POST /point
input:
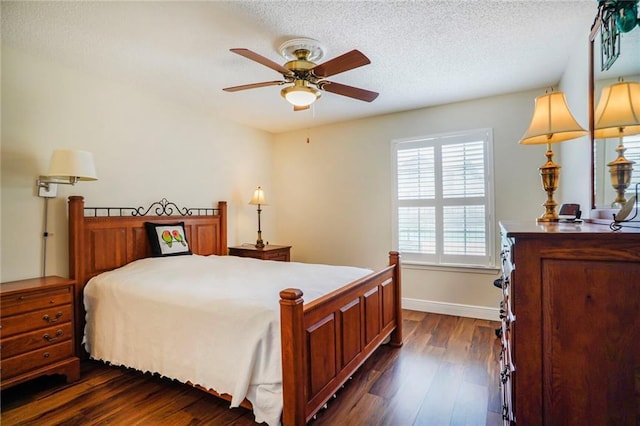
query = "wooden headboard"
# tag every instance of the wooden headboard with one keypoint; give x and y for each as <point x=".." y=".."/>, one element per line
<point x="105" y="238"/>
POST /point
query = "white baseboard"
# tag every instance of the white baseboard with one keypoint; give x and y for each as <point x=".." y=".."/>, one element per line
<point x="469" y="311"/>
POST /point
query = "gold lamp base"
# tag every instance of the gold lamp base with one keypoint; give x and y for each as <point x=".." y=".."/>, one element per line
<point x="620" y="170"/>
<point x="550" y="174"/>
<point x="259" y="242"/>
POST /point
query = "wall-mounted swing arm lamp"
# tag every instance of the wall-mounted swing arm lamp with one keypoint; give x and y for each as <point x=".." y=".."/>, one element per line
<point x="552" y="122"/>
<point x="67" y="167"/>
<point x="258" y="199"/>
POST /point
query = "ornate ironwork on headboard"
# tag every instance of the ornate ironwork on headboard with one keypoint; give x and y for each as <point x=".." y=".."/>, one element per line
<point x="162" y="208"/>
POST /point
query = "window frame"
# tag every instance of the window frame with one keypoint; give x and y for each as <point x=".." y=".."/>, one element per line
<point x="485" y="135"/>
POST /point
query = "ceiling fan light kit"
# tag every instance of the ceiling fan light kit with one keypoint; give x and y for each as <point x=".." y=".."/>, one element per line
<point x="303" y="73"/>
<point x="300" y="94"/>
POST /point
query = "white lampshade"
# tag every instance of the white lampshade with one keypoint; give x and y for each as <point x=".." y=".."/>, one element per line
<point x="618" y="111"/>
<point x="552" y="121"/>
<point x="258" y="197"/>
<point x="300" y="94"/>
<point x="77" y="165"/>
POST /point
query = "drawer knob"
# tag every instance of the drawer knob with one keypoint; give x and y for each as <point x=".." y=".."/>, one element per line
<point x="52" y="339"/>
<point x="47" y="318"/>
<point x="46" y="355"/>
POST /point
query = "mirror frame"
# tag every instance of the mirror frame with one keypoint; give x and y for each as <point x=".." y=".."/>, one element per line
<point x="595" y="30"/>
<point x="591" y="112"/>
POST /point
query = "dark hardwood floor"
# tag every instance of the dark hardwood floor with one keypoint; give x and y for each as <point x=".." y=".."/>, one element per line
<point x="445" y="374"/>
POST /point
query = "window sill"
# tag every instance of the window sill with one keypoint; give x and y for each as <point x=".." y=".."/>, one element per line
<point x="489" y="270"/>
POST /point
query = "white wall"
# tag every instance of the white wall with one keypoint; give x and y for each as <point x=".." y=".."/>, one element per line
<point x="334" y="193"/>
<point x="145" y="147"/>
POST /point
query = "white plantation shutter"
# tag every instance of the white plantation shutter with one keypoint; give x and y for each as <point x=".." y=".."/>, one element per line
<point x="443" y="206"/>
<point x="416" y="173"/>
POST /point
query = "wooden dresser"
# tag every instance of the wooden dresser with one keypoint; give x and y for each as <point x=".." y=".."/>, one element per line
<point x="269" y="252"/>
<point x="37" y="325"/>
<point x="571" y="324"/>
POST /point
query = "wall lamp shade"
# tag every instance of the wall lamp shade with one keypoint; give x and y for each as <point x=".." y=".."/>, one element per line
<point x="618" y="115"/>
<point x="552" y="122"/>
<point x="258" y="199"/>
<point x="300" y="94"/>
<point x="67" y="167"/>
<point x="72" y="165"/>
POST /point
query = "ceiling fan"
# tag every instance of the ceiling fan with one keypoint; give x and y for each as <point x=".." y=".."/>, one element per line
<point x="304" y="74"/>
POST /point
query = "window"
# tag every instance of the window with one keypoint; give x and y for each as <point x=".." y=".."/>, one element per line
<point x="443" y="198"/>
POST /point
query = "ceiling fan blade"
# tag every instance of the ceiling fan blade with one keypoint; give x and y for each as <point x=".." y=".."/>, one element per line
<point x="342" y="63"/>
<point x="300" y="108"/>
<point x="262" y="60"/>
<point x="350" y="91"/>
<point x="253" y="86"/>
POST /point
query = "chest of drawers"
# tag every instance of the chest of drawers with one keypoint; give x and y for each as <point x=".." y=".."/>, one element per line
<point x="570" y="324"/>
<point x="37" y="330"/>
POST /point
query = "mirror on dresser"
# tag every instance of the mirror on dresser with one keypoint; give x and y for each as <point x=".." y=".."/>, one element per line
<point x="627" y="67"/>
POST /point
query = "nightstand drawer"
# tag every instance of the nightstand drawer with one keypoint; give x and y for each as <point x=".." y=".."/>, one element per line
<point x="35" y="320"/>
<point x="16" y="365"/>
<point x="26" y="342"/>
<point x="268" y="252"/>
<point x="281" y="255"/>
<point x="25" y="302"/>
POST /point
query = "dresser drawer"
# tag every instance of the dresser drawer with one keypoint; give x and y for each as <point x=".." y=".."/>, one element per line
<point x="25" y="302"/>
<point x="26" y="362"/>
<point x="36" y="339"/>
<point x="36" y="320"/>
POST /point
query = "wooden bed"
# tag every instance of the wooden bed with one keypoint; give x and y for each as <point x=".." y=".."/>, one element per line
<point x="323" y="342"/>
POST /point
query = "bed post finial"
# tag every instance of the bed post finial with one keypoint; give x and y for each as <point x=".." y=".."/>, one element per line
<point x="293" y="374"/>
<point x="396" y="335"/>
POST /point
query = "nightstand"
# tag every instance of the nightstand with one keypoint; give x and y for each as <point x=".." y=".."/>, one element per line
<point x="269" y="252"/>
<point x="37" y="322"/>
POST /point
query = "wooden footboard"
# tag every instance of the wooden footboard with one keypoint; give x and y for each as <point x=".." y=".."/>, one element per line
<point x="325" y="341"/>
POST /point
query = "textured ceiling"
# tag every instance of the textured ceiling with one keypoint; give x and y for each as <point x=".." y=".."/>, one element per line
<point x="422" y="53"/>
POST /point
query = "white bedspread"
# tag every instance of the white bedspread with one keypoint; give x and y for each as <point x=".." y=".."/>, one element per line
<point x="209" y="320"/>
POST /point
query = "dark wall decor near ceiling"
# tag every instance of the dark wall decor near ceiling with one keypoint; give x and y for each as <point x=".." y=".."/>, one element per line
<point x="615" y="17"/>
